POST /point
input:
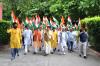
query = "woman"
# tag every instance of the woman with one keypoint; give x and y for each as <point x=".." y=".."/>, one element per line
<point x="15" y="40"/>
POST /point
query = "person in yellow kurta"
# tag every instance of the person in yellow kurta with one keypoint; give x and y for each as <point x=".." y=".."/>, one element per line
<point x="54" y="41"/>
<point x="15" y="40"/>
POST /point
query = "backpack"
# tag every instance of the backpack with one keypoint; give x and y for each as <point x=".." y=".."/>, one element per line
<point x="83" y="37"/>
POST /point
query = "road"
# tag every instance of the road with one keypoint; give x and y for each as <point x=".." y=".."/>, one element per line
<point x="70" y="59"/>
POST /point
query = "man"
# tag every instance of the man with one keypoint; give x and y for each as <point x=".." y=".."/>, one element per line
<point x="83" y="42"/>
<point x="63" y="41"/>
<point x="28" y="38"/>
<point x="37" y="40"/>
<point x="75" y="34"/>
<point x="47" y="43"/>
<point x="59" y="39"/>
<point x="15" y="40"/>
<point x="42" y="39"/>
<point x="70" y="40"/>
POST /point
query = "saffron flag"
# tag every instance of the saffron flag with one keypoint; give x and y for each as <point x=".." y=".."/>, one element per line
<point x="62" y="21"/>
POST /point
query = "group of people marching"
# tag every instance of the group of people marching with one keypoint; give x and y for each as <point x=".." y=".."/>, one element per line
<point x="47" y="40"/>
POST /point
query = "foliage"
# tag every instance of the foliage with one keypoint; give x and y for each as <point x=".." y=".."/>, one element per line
<point x="93" y="25"/>
<point x="57" y="8"/>
<point x="4" y="36"/>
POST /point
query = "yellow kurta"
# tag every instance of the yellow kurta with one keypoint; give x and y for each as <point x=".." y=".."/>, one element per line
<point x="54" y="41"/>
<point x="15" y="38"/>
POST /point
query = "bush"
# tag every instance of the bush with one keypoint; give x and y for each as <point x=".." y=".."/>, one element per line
<point x="4" y="36"/>
<point x="93" y="26"/>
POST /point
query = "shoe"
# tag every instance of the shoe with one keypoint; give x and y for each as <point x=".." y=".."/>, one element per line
<point x="12" y="58"/>
<point x="58" y="50"/>
<point x="39" y="49"/>
<point x="54" y="49"/>
<point x="71" y="50"/>
<point x="85" y="57"/>
<point x="24" y="53"/>
<point x="34" y="52"/>
<point x="28" y="50"/>
<point x="45" y="54"/>
<point x="17" y="54"/>
<point x="52" y="53"/>
<point x="80" y="55"/>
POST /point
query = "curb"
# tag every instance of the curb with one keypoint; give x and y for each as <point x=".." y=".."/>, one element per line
<point x="95" y="52"/>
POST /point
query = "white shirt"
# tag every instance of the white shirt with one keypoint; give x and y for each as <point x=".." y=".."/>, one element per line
<point x="27" y="34"/>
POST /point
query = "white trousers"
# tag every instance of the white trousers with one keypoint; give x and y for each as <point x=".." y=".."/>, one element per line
<point x="26" y="48"/>
<point x="83" y="48"/>
<point x="47" y="48"/>
<point x="75" y="44"/>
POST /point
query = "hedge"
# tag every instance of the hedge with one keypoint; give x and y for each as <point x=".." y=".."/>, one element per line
<point x="4" y="36"/>
<point x="93" y="26"/>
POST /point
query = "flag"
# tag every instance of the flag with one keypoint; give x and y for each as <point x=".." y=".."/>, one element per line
<point x="30" y="24"/>
<point x="46" y="21"/>
<point x="33" y="22"/>
<point x="79" y="24"/>
<point x="13" y="17"/>
<point x="62" y="21"/>
<point x="55" y="20"/>
<point x="18" y="22"/>
<point x="76" y="27"/>
<point x="26" y="21"/>
<point x="37" y="21"/>
<point x="69" y="22"/>
<point x="53" y="24"/>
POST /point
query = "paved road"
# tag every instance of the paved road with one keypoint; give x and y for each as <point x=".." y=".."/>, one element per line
<point x="70" y="59"/>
